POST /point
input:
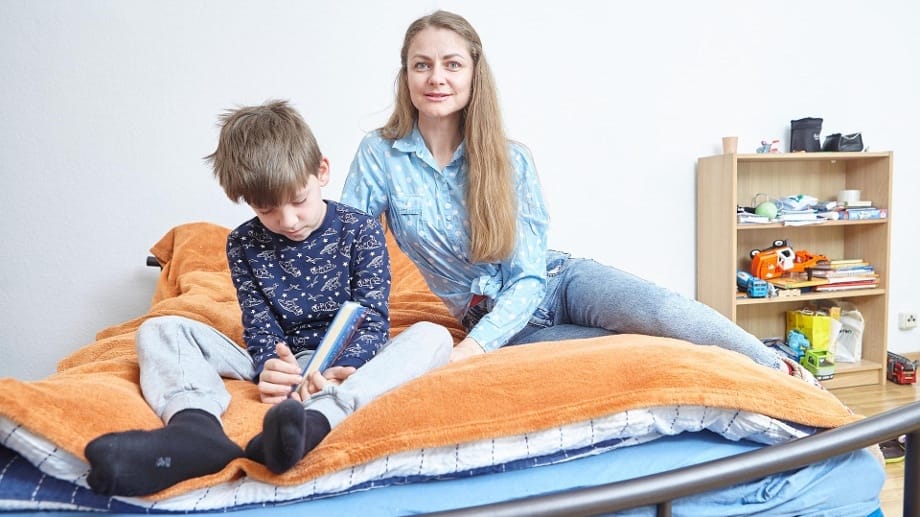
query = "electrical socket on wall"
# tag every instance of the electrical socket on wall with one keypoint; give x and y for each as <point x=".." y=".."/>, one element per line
<point x="907" y="320"/>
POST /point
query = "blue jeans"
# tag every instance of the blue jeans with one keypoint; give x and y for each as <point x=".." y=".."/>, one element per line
<point x="587" y="299"/>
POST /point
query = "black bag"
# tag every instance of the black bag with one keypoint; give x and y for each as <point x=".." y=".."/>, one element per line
<point x="805" y="135"/>
<point x="851" y="143"/>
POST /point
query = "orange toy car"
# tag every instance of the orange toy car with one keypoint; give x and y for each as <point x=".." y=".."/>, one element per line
<point x="780" y="258"/>
<point x="773" y="261"/>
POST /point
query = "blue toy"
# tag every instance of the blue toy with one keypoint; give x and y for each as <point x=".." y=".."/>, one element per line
<point x="797" y="344"/>
<point x="755" y="287"/>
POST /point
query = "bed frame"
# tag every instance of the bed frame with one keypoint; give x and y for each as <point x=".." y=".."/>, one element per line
<point x="661" y="489"/>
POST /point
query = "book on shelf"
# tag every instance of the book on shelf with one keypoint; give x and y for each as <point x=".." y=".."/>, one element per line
<point x="864" y="213"/>
<point x="847" y="286"/>
<point x="861" y="203"/>
<point x="341" y="330"/>
<point x="796" y="282"/>
<point x="797" y="215"/>
<point x="872" y="277"/>
<point x="837" y="264"/>
<point x="855" y="272"/>
<point x="749" y="218"/>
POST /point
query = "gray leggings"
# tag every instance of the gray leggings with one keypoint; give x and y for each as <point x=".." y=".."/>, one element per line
<point x="183" y="363"/>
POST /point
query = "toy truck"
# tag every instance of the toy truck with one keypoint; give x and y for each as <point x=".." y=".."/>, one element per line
<point x="755" y="287"/>
<point x="901" y="370"/>
<point x="820" y="363"/>
<point x="780" y="258"/>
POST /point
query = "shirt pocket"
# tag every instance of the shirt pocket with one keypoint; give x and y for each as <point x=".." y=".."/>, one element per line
<point x="407" y="212"/>
<point x="408" y="206"/>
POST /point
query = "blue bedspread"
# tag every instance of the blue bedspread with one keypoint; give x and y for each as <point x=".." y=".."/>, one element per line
<point x="853" y="481"/>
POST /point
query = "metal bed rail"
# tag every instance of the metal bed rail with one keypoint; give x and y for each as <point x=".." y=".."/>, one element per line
<point x="661" y="489"/>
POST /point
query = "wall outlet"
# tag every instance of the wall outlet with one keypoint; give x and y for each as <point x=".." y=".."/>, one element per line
<point x="907" y="320"/>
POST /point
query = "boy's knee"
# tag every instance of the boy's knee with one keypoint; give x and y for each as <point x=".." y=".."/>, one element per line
<point x="160" y="323"/>
<point x="433" y="331"/>
<point x="154" y="329"/>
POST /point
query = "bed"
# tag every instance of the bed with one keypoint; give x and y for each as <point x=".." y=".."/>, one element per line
<point x="648" y="425"/>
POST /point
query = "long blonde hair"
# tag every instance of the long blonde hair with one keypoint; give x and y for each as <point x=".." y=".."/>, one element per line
<point x="490" y="198"/>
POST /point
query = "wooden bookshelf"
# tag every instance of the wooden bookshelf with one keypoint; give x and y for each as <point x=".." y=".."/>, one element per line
<point x="723" y="245"/>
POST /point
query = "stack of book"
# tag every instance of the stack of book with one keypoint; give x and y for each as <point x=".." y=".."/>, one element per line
<point x="808" y="214"/>
<point x="844" y="274"/>
<point x="867" y="212"/>
<point x="862" y="209"/>
<point x="749" y="218"/>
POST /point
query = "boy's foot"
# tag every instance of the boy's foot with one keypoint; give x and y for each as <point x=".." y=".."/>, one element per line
<point x="893" y="450"/>
<point x="134" y="463"/>
<point x="289" y="432"/>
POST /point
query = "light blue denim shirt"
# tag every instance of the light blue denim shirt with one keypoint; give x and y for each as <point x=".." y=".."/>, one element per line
<point x="425" y="208"/>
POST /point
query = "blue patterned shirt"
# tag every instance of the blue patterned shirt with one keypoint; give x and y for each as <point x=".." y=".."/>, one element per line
<point x="289" y="291"/>
<point x="425" y="208"/>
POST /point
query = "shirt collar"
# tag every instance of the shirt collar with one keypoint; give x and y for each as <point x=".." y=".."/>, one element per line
<point x="414" y="143"/>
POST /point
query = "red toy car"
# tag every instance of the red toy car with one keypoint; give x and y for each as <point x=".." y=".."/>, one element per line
<point x="901" y="370"/>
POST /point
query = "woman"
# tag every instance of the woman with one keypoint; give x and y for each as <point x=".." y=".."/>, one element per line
<point x="464" y="203"/>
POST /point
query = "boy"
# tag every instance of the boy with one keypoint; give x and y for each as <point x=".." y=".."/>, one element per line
<point x="293" y="265"/>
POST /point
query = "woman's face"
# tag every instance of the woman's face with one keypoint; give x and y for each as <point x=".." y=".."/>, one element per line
<point x="439" y="72"/>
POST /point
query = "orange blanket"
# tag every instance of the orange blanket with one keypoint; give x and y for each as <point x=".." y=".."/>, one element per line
<point x="512" y="391"/>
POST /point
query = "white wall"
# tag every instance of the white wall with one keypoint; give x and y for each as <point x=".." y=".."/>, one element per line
<point x="109" y="106"/>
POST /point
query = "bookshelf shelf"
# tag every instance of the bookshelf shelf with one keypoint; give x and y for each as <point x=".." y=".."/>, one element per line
<point x="723" y="245"/>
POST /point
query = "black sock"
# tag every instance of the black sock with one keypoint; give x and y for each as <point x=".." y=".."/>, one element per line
<point x="134" y="463"/>
<point x="289" y="432"/>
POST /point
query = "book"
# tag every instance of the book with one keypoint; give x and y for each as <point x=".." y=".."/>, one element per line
<point x="797" y="215"/>
<point x="785" y="282"/>
<point x="748" y="218"/>
<point x="850" y="279"/>
<point x="338" y="335"/>
<point x="856" y="272"/>
<point x="864" y="213"/>
<point x="839" y="264"/>
<point x="846" y="286"/>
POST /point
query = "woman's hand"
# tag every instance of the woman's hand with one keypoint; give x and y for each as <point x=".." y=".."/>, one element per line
<point x="278" y="377"/>
<point x="316" y="381"/>
<point x="465" y="349"/>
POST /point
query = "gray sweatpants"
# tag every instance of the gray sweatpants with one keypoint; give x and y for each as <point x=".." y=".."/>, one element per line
<point x="183" y="363"/>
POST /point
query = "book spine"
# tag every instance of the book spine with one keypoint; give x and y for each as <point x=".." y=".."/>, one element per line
<point x="338" y="335"/>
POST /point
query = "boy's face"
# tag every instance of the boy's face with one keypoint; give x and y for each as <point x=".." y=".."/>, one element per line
<point x="299" y="217"/>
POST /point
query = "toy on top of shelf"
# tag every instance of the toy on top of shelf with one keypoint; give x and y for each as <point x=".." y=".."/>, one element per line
<point x="768" y="147"/>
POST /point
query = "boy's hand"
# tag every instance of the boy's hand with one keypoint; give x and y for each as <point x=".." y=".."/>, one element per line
<point x="465" y="349"/>
<point x="278" y="375"/>
<point x="334" y="375"/>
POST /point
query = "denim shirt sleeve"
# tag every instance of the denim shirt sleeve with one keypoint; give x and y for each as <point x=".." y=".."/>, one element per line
<point x="523" y="275"/>
<point x="365" y="185"/>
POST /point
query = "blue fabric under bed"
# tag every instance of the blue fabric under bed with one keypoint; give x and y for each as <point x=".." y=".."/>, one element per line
<point x="844" y="486"/>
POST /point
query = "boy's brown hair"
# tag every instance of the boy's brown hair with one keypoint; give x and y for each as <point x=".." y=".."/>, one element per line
<point x="265" y="154"/>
